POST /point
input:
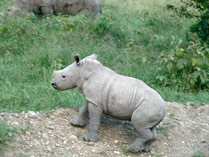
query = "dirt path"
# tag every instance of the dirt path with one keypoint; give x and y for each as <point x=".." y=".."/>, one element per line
<point x="183" y="132"/>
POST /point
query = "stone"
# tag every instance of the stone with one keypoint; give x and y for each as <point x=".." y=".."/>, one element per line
<point x="32" y="114"/>
<point x="117" y="152"/>
<point x="27" y="132"/>
<point x="15" y="123"/>
<point x="178" y="118"/>
<point x="73" y="137"/>
<point x="116" y="141"/>
<point x="91" y="143"/>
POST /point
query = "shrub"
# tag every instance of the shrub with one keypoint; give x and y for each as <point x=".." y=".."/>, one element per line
<point x="198" y="9"/>
<point x="202" y="27"/>
<point x="185" y="67"/>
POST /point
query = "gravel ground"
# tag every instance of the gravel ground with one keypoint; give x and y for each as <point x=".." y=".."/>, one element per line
<point x="183" y="132"/>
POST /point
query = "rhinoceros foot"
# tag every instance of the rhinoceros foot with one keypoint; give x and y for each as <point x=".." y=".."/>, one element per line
<point x="147" y="148"/>
<point x="77" y="121"/>
<point x="136" y="148"/>
<point x="91" y="136"/>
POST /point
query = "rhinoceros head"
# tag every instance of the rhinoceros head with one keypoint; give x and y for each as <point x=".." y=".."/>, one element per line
<point x="20" y="8"/>
<point x="13" y="11"/>
<point x="68" y="77"/>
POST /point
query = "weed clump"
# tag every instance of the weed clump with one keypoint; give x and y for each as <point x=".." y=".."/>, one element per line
<point x="5" y="134"/>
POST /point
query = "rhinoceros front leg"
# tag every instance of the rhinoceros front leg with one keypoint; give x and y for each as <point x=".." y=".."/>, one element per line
<point x="81" y="118"/>
<point x="94" y="123"/>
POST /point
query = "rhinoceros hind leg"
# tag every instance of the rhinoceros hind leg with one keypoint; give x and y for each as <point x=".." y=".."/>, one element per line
<point x="94" y="123"/>
<point x="143" y="124"/>
<point x="139" y="144"/>
<point x="81" y="118"/>
<point x="148" y="144"/>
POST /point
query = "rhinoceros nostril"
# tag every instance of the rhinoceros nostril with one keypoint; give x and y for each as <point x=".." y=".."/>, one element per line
<point x="54" y="85"/>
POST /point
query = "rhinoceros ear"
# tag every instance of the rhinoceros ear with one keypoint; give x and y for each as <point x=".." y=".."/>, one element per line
<point x="77" y="58"/>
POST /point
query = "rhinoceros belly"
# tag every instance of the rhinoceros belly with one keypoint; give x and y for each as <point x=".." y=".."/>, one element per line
<point x="124" y="96"/>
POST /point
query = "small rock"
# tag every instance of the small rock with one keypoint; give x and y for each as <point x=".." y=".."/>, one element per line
<point x="9" y="134"/>
<point x="57" y="145"/>
<point x="49" y="149"/>
<point x="73" y="137"/>
<point x="93" y="150"/>
<point x="26" y="116"/>
<point x="47" y="142"/>
<point x="116" y="141"/>
<point x="178" y="118"/>
<point x="32" y="114"/>
<point x="52" y="117"/>
<point x="15" y="123"/>
<point x="90" y="143"/>
<point x="45" y="135"/>
<point x="64" y="142"/>
<point x="117" y="152"/>
<point x="52" y="135"/>
<point x="15" y="115"/>
<point x="31" y="122"/>
<point x="27" y="132"/>
<point x="50" y="127"/>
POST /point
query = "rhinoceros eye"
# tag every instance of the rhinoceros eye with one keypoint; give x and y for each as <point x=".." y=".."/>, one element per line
<point x="63" y="75"/>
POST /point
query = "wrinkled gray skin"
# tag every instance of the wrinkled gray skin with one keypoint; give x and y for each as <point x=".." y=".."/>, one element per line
<point x="120" y="96"/>
<point x="50" y="7"/>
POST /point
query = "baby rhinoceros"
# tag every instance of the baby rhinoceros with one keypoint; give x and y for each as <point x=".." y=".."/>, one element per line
<point x="119" y="96"/>
<point x="50" y="7"/>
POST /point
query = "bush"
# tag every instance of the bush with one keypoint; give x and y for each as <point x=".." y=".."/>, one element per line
<point x="198" y="9"/>
<point x="202" y="27"/>
<point x="185" y="67"/>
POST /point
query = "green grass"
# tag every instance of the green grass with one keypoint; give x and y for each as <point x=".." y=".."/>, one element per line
<point x="129" y="36"/>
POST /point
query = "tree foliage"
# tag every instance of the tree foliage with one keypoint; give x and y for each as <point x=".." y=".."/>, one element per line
<point x="201" y="13"/>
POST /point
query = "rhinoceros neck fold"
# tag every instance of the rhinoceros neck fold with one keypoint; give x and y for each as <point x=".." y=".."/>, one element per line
<point x="82" y="79"/>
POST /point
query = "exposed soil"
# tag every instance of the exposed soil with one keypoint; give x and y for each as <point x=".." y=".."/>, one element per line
<point x="183" y="132"/>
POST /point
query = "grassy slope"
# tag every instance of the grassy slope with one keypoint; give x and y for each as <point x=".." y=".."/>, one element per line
<point x="129" y="36"/>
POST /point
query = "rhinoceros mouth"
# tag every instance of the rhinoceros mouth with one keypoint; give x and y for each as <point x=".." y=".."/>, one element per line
<point x="54" y="86"/>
